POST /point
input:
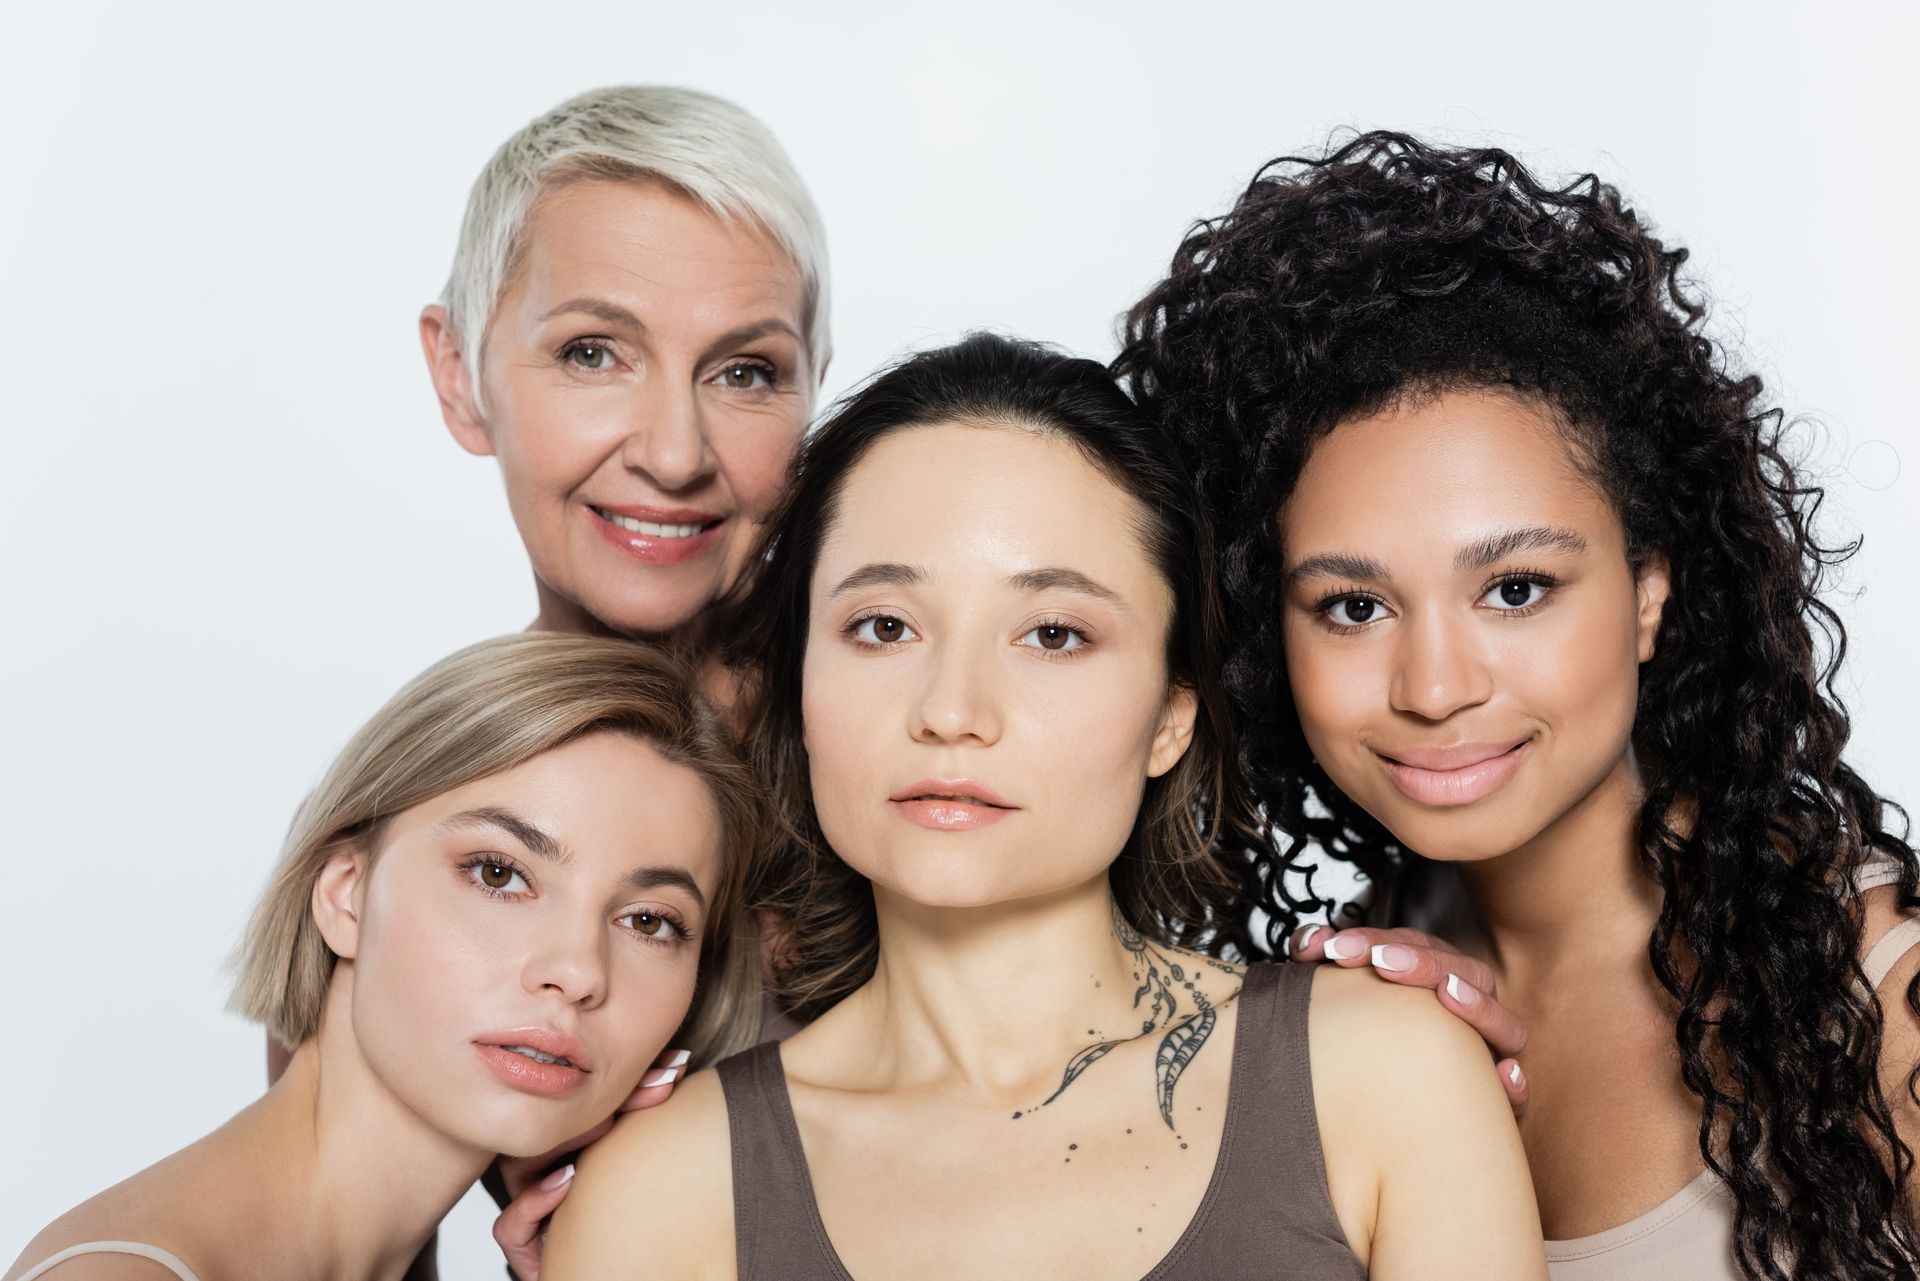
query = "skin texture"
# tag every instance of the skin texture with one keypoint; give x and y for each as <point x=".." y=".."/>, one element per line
<point x="645" y="354"/>
<point x="1549" y="859"/>
<point x="1002" y="968"/>
<point x="385" y="1117"/>
<point x="1548" y="856"/>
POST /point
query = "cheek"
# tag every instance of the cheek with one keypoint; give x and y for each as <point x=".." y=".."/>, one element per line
<point x="754" y="461"/>
<point x="1334" y="690"/>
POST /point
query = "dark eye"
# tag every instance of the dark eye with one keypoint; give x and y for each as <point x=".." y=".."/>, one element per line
<point x="1354" y="611"/>
<point x="1515" y="593"/>
<point x="882" y="629"/>
<point x="590" y="355"/>
<point x="648" y="924"/>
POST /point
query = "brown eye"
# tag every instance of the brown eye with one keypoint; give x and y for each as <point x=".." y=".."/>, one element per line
<point x="495" y="876"/>
<point x="743" y="377"/>
<point x="1055" y="637"/>
<point x="882" y="629"/>
<point x="649" y="924"/>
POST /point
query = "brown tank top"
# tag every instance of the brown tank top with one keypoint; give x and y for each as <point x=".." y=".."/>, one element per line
<point x="1266" y="1212"/>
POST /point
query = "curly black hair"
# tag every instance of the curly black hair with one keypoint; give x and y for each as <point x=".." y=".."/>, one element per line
<point x="1338" y="283"/>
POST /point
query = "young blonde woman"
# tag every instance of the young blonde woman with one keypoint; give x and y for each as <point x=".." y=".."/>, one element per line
<point x="987" y="640"/>
<point x="517" y="882"/>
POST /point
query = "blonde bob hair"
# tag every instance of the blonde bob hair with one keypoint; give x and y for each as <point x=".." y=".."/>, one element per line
<point x="715" y="152"/>
<point x="487" y="709"/>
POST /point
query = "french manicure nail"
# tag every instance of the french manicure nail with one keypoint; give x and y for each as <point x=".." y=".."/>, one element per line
<point x="1462" y="992"/>
<point x="680" y="1058"/>
<point x="1340" y="948"/>
<point x="1513" y="1074"/>
<point x="557" y="1178"/>
<point x="1392" y="958"/>
<point x="661" y="1076"/>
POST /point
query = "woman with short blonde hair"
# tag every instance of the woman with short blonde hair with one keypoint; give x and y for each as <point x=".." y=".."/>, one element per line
<point x="515" y="884"/>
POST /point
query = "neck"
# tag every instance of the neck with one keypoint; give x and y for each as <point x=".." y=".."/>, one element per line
<point x="364" y="1179"/>
<point x="992" y="1001"/>
<point x="1577" y="898"/>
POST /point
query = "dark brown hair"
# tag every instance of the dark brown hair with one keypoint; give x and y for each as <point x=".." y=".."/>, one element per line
<point x="1178" y="877"/>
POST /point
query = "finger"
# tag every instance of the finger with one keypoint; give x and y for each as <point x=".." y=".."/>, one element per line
<point x="521" y="1173"/>
<point x="1423" y="966"/>
<point x="1498" y="1026"/>
<point x="658" y="1083"/>
<point x="1304" y="945"/>
<point x="1514" y="1082"/>
<point x="517" y="1230"/>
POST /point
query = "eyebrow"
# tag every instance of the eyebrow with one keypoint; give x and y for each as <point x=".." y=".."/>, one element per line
<point x="1475" y="555"/>
<point x="890" y="574"/>
<point x="893" y="574"/>
<point x="1479" y="555"/>
<point x="539" y="842"/>
<point x="1039" y="580"/>
<point x="750" y="333"/>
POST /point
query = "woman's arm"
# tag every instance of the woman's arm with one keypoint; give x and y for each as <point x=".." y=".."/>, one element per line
<point x="1423" y="1161"/>
<point x="654" y="1198"/>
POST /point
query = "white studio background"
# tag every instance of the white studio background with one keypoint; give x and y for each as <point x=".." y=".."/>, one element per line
<point x="231" y="522"/>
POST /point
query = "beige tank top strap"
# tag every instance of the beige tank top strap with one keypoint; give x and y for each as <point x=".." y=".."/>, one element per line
<point x="139" y="1248"/>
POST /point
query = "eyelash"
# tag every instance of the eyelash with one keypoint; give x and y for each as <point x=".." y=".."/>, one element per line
<point x="852" y="632"/>
<point x="766" y="368"/>
<point x="1538" y="578"/>
<point x="468" y="868"/>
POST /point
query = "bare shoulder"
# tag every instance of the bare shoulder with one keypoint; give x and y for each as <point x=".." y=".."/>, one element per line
<point x="152" y="1208"/>
<point x="1369" y="1032"/>
<point x="654" y="1197"/>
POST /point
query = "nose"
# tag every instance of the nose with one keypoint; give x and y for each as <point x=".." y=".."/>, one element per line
<point x="667" y="437"/>
<point x="568" y="960"/>
<point x="1439" y="668"/>
<point x="957" y="701"/>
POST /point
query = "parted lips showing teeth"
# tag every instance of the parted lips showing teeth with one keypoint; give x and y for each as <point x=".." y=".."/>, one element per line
<point x="527" y="1051"/>
<point x="652" y="529"/>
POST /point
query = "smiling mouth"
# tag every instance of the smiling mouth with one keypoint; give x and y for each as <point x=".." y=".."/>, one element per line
<point x="650" y="528"/>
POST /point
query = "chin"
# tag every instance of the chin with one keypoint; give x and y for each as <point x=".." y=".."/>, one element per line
<point x="1463" y="838"/>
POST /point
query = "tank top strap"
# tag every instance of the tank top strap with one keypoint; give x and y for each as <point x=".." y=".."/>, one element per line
<point x="773" y="1207"/>
<point x="1277" y="1204"/>
<point x="1893" y="945"/>
<point x="138" y="1248"/>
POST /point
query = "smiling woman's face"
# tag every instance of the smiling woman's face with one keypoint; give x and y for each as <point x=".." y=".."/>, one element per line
<point x="644" y="384"/>
<point x="552" y="911"/>
<point x="1463" y="630"/>
<point x="985" y="690"/>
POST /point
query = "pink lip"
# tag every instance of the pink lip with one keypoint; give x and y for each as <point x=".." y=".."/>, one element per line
<point x="950" y="805"/>
<point x="523" y="1073"/>
<point x="652" y="548"/>
<point x="1458" y="775"/>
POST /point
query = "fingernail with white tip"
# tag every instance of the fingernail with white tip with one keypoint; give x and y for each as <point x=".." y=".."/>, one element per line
<point x="1392" y="958"/>
<point x="1461" y="992"/>
<point x="1340" y="948"/>
<point x="557" y="1178"/>
<point x="661" y="1076"/>
<point x="1513" y="1074"/>
<point x="680" y="1058"/>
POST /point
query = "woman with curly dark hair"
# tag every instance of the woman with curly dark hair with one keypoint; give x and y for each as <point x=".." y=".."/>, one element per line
<point x="1524" y="595"/>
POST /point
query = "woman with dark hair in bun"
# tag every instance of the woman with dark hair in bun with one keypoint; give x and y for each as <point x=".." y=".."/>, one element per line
<point x="1523" y="595"/>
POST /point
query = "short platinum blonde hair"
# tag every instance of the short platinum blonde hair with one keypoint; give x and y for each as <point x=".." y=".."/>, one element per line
<point x="715" y="152"/>
<point x="487" y="709"/>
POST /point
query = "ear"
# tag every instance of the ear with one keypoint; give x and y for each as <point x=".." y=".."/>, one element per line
<point x="452" y="380"/>
<point x="1175" y="734"/>
<point x="337" y="899"/>
<point x="1651" y="589"/>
